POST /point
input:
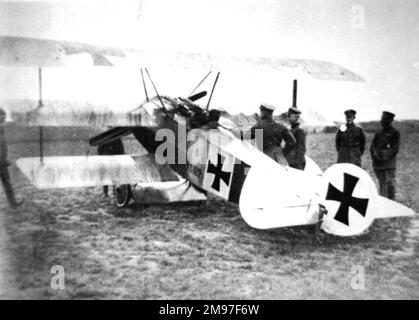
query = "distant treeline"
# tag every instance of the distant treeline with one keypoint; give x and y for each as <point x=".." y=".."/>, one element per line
<point x="373" y="126"/>
<point x="330" y="129"/>
<point x="16" y="133"/>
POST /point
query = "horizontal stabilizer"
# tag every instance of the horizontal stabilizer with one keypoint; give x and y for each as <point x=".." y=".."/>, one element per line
<point x="386" y="208"/>
<point x="83" y="171"/>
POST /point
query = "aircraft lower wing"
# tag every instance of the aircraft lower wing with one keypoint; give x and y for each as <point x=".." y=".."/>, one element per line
<point x="83" y="171"/>
<point x="150" y="182"/>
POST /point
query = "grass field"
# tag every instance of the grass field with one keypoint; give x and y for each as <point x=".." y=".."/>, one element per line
<point x="203" y="250"/>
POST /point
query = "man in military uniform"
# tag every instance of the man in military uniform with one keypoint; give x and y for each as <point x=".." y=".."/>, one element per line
<point x="273" y="133"/>
<point x="384" y="149"/>
<point x="296" y="155"/>
<point x="350" y="141"/>
<point x="4" y="164"/>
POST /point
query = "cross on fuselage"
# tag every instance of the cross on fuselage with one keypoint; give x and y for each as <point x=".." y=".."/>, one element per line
<point x="218" y="172"/>
<point x="346" y="199"/>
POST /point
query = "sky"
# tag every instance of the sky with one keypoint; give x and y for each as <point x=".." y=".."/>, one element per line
<point x="377" y="39"/>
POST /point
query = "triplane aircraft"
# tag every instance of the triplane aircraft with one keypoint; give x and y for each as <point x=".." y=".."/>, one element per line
<point x="193" y="151"/>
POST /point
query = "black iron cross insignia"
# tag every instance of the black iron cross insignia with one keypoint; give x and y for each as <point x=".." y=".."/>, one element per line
<point x="346" y="199"/>
<point x="218" y="172"/>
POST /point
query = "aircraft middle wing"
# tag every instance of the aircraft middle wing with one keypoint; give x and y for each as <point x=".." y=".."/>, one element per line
<point x="80" y="114"/>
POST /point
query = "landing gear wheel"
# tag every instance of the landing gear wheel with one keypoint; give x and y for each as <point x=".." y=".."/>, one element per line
<point x="122" y="195"/>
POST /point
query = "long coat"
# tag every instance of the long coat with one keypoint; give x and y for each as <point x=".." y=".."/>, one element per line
<point x="3" y="149"/>
<point x="350" y="145"/>
<point x="384" y="148"/>
<point x="296" y="155"/>
<point x="273" y="135"/>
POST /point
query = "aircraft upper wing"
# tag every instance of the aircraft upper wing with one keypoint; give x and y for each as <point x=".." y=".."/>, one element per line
<point x="318" y="69"/>
<point x="20" y="51"/>
<point x="31" y="52"/>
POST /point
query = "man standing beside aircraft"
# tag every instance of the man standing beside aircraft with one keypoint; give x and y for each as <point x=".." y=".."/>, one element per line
<point x="273" y="133"/>
<point x="350" y="141"/>
<point x="4" y="164"/>
<point x="384" y="149"/>
<point x="296" y="155"/>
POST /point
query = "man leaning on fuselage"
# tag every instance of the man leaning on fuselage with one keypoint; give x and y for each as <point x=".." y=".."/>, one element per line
<point x="273" y="133"/>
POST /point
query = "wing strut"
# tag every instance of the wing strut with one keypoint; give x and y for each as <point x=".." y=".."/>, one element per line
<point x="212" y="91"/>
<point x="41" y="130"/>
<point x="155" y="89"/>
<point x="145" y="87"/>
<point x="294" y="94"/>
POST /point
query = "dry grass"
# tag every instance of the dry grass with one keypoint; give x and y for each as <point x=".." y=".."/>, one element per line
<point x="203" y="250"/>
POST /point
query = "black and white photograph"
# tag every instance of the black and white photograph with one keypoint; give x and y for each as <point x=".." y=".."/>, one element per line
<point x="220" y="152"/>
